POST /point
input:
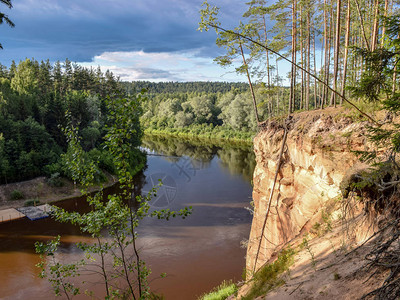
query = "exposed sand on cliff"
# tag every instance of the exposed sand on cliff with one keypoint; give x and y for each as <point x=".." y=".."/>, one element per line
<point x="330" y="267"/>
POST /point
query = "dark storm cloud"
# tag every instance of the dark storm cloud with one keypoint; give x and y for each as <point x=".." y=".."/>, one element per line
<point x="79" y="30"/>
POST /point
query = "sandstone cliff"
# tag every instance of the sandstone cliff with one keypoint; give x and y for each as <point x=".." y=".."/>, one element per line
<point x="317" y="157"/>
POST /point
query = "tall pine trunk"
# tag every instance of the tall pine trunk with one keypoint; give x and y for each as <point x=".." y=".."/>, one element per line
<point x="346" y="50"/>
<point x="326" y="61"/>
<point x="293" y="75"/>
<point x="336" y="59"/>
<point x="315" y="72"/>
<point x="302" y="54"/>
<point x="384" y="27"/>
<point x="308" y="60"/>
<point x="362" y="24"/>
<point x="375" y="26"/>
<point x="267" y="53"/>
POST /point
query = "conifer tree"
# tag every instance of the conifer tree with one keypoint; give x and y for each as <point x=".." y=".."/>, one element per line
<point x="4" y="17"/>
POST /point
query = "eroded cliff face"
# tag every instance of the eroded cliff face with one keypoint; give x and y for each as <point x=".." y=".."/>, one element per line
<point x="318" y="155"/>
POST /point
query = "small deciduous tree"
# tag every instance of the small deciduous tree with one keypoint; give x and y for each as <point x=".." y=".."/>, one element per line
<point x="113" y="254"/>
<point x="233" y="43"/>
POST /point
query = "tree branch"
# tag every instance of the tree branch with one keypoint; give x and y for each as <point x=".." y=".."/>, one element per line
<point x="301" y="68"/>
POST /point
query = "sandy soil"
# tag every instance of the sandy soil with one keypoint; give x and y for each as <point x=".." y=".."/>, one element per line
<point x="332" y="266"/>
<point x="39" y="189"/>
<point x="335" y="272"/>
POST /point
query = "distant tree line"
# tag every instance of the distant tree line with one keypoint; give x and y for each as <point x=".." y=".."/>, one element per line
<point x="184" y="87"/>
<point x="209" y="109"/>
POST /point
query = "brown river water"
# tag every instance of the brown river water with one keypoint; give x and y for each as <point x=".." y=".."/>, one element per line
<point x="197" y="253"/>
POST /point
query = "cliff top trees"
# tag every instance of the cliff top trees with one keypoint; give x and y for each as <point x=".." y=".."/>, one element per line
<point x="233" y="43"/>
<point x="300" y="24"/>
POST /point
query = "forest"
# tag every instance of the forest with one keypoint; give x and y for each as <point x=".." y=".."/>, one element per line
<point x="324" y="43"/>
<point x="217" y="110"/>
<point x="226" y="114"/>
<point x="61" y="119"/>
<point x="38" y="100"/>
<point x="349" y="47"/>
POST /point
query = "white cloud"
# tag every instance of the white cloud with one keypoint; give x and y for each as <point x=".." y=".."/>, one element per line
<point x="162" y="66"/>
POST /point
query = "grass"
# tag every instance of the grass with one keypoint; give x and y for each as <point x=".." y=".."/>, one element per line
<point x="306" y="245"/>
<point x="336" y="276"/>
<point x="221" y="292"/>
<point x="32" y="202"/>
<point x="269" y="276"/>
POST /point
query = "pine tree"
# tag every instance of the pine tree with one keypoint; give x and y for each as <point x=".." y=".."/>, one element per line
<point x="4" y="17"/>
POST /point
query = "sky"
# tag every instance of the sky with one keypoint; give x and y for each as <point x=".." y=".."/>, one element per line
<point x="155" y="40"/>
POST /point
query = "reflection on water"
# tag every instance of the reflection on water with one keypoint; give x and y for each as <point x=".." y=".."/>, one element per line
<point x="196" y="253"/>
<point x="235" y="157"/>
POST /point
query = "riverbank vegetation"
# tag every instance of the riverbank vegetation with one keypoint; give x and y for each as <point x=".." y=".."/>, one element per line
<point x="212" y="110"/>
<point x="35" y="97"/>
<point x="113" y="255"/>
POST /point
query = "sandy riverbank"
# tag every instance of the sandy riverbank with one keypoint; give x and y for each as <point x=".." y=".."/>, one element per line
<point x="40" y="189"/>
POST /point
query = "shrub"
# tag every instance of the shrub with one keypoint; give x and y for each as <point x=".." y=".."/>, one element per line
<point x="269" y="276"/>
<point x="55" y="180"/>
<point x="17" y="195"/>
<point x="32" y="202"/>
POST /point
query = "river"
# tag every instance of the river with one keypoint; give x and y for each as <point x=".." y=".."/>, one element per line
<point x="196" y="253"/>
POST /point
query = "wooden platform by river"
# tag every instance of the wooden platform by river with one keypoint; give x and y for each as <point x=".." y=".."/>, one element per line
<point x="31" y="212"/>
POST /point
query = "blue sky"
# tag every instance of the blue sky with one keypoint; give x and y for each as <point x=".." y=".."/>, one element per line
<point x="152" y="40"/>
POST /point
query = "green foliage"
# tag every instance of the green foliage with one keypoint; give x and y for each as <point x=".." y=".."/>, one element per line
<point x="55" y="180"/>
<point x="378" y="82"/>
<point x="16" y="195"/>
<point x="208" y="15"/>
<point x="56" y="272"/>
<point x="306" y="245"/>
<point x="374" y="78"/>
<point x="32" y="202"/>
<point x="112" y="223"/>
<point x="223" y="115"/>
<point x="204" y="132"/>
<point x="269" y="277"/>
<point x="173" y="88"/>
<point x="26" y="149"/>
<point x="33" y="100"/>
<point x="327" y="221"/>
<point x="77" y="166"/>
<point x="221" y="292"/>
<point x="104" y="160"/>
